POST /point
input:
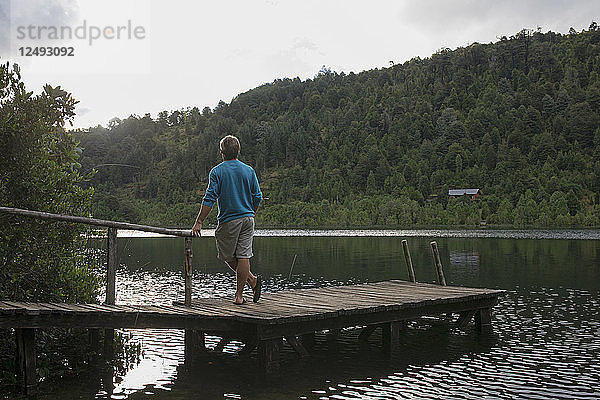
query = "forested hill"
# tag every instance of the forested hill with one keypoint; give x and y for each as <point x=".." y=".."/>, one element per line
<point x="517" y="118"/>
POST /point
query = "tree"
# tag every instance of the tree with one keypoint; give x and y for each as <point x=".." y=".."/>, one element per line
<point x="40" y="261"/>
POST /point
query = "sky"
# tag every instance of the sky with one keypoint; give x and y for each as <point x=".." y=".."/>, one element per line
<point x="146" y="56"/>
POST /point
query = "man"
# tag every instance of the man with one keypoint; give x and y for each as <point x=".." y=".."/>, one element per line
<point x="234" y="187"/>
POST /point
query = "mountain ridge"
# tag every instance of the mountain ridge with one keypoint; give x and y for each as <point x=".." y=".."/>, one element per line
<point x="517" y="118"/>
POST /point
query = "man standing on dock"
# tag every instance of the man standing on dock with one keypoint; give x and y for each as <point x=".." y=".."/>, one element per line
<point x="233" y="185"/>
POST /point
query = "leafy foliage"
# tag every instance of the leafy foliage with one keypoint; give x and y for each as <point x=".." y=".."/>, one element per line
<point x="517" y="118"/>
<point x="40" y="261"/>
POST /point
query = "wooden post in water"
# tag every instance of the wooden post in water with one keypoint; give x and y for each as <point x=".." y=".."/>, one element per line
<point x="194" y="340"/>
<point x="194" y="346"/>
<point x="111" y="265"/>
<point x="390" y="337"/>
<point x="438" y="263"/>
<point x="25" y="359"/>
<point x="112" y="261"/>
<point x="268" y="355"/>
<point x="409" y="265"/>
<point x="188" y="271"/>
<point x="483" y="321"/>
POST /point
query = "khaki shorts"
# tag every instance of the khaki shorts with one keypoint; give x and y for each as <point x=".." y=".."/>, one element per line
<point x="234" y="239"/>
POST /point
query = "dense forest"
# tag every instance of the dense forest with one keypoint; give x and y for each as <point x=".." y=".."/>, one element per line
<point x="517" y="118"/>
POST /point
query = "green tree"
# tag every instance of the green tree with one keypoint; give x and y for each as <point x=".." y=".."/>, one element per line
<point x="40" y="261"/>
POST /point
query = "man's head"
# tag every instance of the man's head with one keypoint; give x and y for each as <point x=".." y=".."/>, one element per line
<point x="229" y="147"/>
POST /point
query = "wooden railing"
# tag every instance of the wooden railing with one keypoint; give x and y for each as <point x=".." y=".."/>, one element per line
<point x="112" y="260"/>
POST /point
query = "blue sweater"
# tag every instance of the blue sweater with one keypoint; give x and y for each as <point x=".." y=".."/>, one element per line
<point x="234" y="187"/>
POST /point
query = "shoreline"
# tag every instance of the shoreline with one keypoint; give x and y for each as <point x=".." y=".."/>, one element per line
<point x="564" y="234"/>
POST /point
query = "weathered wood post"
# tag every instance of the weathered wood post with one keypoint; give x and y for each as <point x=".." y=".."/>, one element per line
<point x="438" y="263"/>
<point x="483" y="321"/>
<point x="188" y="271"/>
<point x="25" y="359"/>
<point x="308" y="340"/>
<point x="112" y="261"/>
<point x="409" y="265"/>
<point x="194" y="341"/>
<point x="268" y="354"/>
<point x="390" y="337"/>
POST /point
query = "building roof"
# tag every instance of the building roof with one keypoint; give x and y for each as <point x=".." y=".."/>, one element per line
<point x="461" y="192"/>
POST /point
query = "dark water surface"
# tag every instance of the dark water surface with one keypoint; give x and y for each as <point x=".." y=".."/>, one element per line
<point x="546" y="342"/>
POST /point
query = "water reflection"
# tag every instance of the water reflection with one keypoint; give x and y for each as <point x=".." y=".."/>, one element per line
<point x="547" y="328"/>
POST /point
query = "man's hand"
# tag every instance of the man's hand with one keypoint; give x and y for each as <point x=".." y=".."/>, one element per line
<point x="196" y="229"/>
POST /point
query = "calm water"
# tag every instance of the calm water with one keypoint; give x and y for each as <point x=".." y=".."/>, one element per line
<point x="546" y="341"/>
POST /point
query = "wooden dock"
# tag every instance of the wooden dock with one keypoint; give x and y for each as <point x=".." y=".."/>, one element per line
<point x="293" y="315"/>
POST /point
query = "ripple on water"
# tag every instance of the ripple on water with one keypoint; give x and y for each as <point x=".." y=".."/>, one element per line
<point x="546" y="346"/>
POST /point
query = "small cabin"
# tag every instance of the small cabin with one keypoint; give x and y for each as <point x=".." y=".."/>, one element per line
<point x="472" y="193"/>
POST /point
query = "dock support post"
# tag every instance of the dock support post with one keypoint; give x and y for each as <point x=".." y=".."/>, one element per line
<point x="188" y="271"/>
<point x="438" y="263"/>
<point x="308" y="340"/>
<point x="194" y="345"/>
<point x="248" y="347"/>
<point x="268" y="355"/>
<point x="464" y="318"/>
<point x="25" y="359"/>
<point x="112" y="261"/>
<point x="296" y="345"/>
<point x="390" y="337"/>
<point x="409" y="265"/>
<point x="94" y="340"/>
<point x="194" y="340"/>
<point x="366" y="332"/>
<point x="483" y="321"/>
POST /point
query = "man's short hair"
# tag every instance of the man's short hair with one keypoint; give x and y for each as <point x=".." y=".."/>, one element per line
<point x="230" y="147"/>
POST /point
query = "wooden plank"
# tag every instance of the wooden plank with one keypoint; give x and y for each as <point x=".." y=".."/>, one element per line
<point x="299" y="305"/>
<point x="61" y="307"/>
<point x="399" y="313"/>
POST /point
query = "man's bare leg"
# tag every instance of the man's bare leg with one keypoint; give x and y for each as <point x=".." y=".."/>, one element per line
<point x="251" y="277"/>
<point x="242" y="273"/>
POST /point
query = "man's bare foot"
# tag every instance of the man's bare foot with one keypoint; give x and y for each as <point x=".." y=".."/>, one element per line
<point x="238" y="302"/>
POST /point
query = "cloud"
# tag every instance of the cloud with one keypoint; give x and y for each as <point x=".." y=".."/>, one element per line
<point x="81" y="111"/>
<point x="304" y="44"/>
<point x="459" y="23"/>
<point x="14" y="13"/>
<point x="4" y="27"/>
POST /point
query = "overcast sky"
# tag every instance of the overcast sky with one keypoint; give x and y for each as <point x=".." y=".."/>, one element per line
<point x="195" y="53"/>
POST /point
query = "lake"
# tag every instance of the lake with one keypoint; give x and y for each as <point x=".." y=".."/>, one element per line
<point x="546" y="341"/>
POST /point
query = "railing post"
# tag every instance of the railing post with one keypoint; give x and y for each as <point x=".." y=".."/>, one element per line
<point x="194" y="341"/>
<point x="111" y="265"/>
<point x="438" y="263"/>
<point x="409" y="265"/>
<point x="188" y="271"/>
<point x="112" y="261"/>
